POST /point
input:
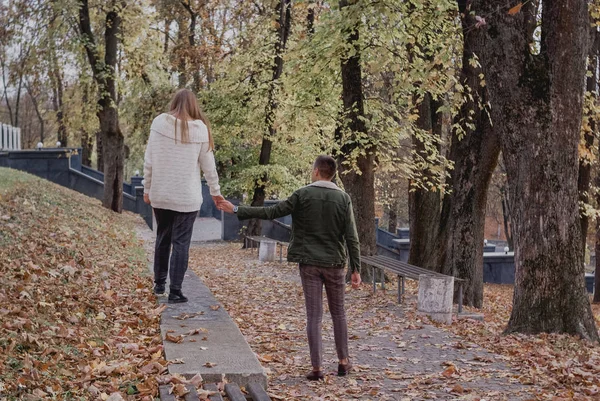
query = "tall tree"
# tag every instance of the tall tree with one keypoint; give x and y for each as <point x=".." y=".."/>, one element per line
<point x="282" y="26"/>
<point x="108" y="114"/>
<point x="57" y="100"/>
<point x="584" y="177"/>
<point x="474" y="152"/>
<point x="356" y="158"/>
<point x="425" y="204"/>
<point x="536" y="105"/>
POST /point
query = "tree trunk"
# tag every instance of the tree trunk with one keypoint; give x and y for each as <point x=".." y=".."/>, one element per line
<point x="536" y="107"/>
<point x="99" y="152"/>
<point x="506" y="217"/>
<point x="87" y="147"/>
<point x="425" y="205"/>
<point x="393" y="217"/>
<point x="196" y="84"/>
<point x="38" y="114"/>
<point x="585" y="162"/>
<point x="181" y="65"/>
<point x="57" y="98"/>
<point x="356" y="172"/>
<point x="475" y="156"/>
<point x="4" y="85"/>
<point x="597" y="251"/>
<point x="283" y="13"/>
<point x="18" y="101"/>
<point x="57" y="102"/>
<point x="167" y="31"/>
<point x="110" y="136"/>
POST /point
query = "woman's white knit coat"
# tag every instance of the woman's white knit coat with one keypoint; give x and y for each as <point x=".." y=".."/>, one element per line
<point x="172" y="168"/>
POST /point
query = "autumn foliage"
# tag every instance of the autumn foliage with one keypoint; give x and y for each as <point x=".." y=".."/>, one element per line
<point x="77" y="315"/>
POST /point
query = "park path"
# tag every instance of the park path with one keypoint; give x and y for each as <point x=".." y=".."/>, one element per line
<point x="397" y="355"/>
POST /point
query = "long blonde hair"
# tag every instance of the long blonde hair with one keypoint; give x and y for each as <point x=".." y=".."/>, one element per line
<point x="184" y="107"/>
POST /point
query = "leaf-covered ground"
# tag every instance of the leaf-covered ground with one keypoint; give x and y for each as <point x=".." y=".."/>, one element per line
<point x="398" y="354"/>
<point x="77" y="316"/>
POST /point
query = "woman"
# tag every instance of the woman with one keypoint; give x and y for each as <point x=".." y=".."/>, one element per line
<point x="180" y="145"/>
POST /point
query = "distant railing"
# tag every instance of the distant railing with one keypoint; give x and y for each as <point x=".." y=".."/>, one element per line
<point x="10" y="137"/>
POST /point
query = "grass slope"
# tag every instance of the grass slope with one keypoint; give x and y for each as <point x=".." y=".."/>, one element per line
<point x="77" y="316"/>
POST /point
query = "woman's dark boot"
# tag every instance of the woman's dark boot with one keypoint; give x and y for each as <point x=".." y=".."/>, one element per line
<point x="176" y="297"/>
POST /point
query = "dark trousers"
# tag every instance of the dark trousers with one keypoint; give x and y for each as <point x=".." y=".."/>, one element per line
<point x="173" y="229"/>
<point x="334" y="280"/>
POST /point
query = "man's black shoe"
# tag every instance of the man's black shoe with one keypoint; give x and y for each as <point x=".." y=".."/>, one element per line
<point x="176" y="297"/>
<point x="159" y="289"/>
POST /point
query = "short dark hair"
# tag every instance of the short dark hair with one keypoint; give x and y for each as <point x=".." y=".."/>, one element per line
<point x="326" y="166"/>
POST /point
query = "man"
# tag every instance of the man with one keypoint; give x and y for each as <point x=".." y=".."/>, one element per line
<point x="323" y="225"/>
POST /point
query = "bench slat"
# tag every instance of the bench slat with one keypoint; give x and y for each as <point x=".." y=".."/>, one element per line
<point x="213" y="387"/>
<point x="263" y="238"/>
<point x="257" y="392"/>
<point x="413" y="272"/>
<point x="234" y="393"/>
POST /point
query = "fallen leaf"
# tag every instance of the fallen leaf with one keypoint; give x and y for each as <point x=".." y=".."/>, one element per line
<point x="514" y="10"/>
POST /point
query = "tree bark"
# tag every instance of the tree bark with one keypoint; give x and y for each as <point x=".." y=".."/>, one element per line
<point x="475" y="156"/>
<point x="585" y="163"/>
<point x="536" y="105"/>
<point x="87" y="147"/>
<point x="18" y="101"/>
<point x="112" y="141"/>
<point x="37" y="112"/>
<point x="10" y="114"/>
<point x="393" y="217"/>
<point x="283" y="19"/>
<point x="196" y="84"/>
<point x="356" y="172"/>
<point x="597" y="251"/>
<point x="425" y="205"/>
<point x="181" y="64"/>
<point x="506" y="217"/>
<point x="57" y="103"/>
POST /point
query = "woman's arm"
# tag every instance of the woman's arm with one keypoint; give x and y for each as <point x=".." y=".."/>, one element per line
<point x="147" y="181"/>
<point x="209" y="168"/>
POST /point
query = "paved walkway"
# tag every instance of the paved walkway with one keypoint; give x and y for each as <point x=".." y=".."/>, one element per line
<point x="396" y="356"/>
<point x="206" y="229"/>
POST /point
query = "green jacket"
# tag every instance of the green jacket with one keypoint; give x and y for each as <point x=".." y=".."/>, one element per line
<point x="322" y="225"/>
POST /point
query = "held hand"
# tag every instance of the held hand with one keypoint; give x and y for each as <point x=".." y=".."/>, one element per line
<point x="225" y="206"/>
<point x="218" y="199"/>
<point x="356" y="280"/>
<point x="147" y="198"/>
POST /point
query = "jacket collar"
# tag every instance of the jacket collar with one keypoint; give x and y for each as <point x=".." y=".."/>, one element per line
<point x="325" y="184"/>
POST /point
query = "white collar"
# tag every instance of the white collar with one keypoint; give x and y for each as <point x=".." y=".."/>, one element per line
<point x="325" y="184"/>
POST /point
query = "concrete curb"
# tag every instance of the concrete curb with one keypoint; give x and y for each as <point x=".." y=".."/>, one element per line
<point x="210" y="344"/>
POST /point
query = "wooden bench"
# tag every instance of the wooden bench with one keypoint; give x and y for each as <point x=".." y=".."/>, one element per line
<point x="404" y="271"/>
<point x="252" y="241"/>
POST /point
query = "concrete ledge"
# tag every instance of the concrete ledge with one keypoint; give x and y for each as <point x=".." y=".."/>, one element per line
<point x="222" y="346"/>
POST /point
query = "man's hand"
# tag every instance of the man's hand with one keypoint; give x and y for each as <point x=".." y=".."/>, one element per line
<point x="147" y="198"/>
<point x="356" y="280"/>
<point x="218" y="199"/>
<point x="226" y="206"/>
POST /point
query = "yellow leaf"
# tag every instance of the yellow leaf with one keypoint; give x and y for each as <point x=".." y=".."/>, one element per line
<point x="515" y="9"/>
